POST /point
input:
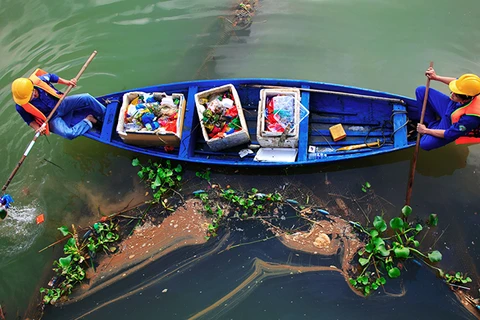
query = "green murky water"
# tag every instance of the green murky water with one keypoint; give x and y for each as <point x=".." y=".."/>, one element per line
<point x="377" y="44"/>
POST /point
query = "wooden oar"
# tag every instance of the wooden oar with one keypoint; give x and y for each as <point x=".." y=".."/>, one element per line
<point x="37" y="134"/>
<point x="413" y="164"/>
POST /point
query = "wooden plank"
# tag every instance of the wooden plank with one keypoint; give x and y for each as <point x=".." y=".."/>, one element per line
<point x="109" y="122"/>
<point x="399" y="126"/>
<point x="187" y="144"/>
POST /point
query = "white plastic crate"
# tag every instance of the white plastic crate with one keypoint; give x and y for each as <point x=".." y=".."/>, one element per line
<point x="230" y="140"/>
<point x="154" y="138"/>
<point x="270" y="139"/>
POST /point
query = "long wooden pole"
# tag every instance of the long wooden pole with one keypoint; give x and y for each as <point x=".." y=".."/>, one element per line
<point x="413" y="164"/>
<point x="37" y="134"/>
<point x="338" y="93"/>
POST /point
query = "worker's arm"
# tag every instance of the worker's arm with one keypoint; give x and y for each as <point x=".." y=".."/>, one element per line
<point x="35" y="126"/>
<point x="432" y="75"/>
<point x="72" y="82"/>
<point x="439" y="133"/>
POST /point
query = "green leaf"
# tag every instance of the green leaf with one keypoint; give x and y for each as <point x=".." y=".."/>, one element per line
<point x="394" y="273"/>
<point x="435" y="256"/>
<point x="378" y="242"/>
<point x="353" y="282"/>
<point x="401" y="252"/>
<point x="369" y="247"/>
<point x="382" y="280"/>
<point x="65" y="261"/>
<point x="396" y="223"/>
<point x="367" y="184"/>
<point x="374" y="286"/>
<point x="158" y="181"/>
<point x="363" y="261"/>
<point x="468" y="279"/>
<point x="367" y="290"/>
<point x="418" y="228"/>
<point x="433" y="220"/>
<point x="64" y="230"/>
<point x="383" y="251"/>
<point x="135" y="162"/>
<point x="140" y="174"/>
<point x="71" y="243"/>
<point x="97" y="226"/>
<point x="364" y="190"/>
<point x="416" y="243"/>
<point x="379" y="224"/>
<point x="407" y="210"/>
<point x="92" y="247"/>
<point x="374" y="233"/>
<point x="458" y="275"/>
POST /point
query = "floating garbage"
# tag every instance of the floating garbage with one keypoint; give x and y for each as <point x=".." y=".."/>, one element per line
<point x="323" y="211"/>
<point x="40" y="218"/>
<point x="4" y="205"/>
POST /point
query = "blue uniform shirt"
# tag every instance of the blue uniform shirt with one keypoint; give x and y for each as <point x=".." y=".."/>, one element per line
<point x="44" y="102"/>
<point x="464" y="125"/>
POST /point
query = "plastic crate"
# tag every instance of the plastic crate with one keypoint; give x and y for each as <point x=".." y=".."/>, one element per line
<point x="270" y="139"/>
<point x="156" y="137"/>
<point x="230" y="140"/>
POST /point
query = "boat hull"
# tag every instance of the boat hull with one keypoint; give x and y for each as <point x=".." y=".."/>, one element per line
<point x="366" y="115"/>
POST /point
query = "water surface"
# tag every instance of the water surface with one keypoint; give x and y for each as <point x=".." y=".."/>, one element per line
<point x="376" y="44"/>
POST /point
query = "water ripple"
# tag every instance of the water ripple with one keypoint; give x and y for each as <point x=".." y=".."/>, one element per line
<point x="18" y="231"/>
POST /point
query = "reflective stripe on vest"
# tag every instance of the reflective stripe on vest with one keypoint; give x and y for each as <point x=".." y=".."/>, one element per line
<point x="471" y="109"/>
<point x="30" y="108"/>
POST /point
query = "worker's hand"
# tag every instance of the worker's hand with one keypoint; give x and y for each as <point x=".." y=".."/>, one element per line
<point x="72" y="82"/>
<point x="431" y="74"/>
<point x="42" y="130"/>
<point x="421" y="128"/>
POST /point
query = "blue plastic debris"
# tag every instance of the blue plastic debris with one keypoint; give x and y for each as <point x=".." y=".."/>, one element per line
<point x="323" y="211"/>
<point x="6" y="200"/>
<point x="355" y="224"/>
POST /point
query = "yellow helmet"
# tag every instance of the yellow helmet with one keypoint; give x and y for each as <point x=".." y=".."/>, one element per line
<point x="22" y="89"/>
<point x="468" y="84"/>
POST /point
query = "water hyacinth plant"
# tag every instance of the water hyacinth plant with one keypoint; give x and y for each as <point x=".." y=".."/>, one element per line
<point x="388" y="245"/>
<point x="242" y="204"/>
<point x="70" y="269"/>
<point x="161" y="177"/>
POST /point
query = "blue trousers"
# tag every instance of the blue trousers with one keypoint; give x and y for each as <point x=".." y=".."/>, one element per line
<point x="66" y="109"/>
<point x="437" y="116"/>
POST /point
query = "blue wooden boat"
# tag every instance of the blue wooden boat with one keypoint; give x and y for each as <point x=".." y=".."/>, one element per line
<point x="366" y="115"/>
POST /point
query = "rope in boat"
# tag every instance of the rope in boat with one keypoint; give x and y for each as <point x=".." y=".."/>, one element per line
<point x="383" y="126"/>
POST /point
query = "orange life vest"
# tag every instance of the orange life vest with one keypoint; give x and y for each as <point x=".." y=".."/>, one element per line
<point x="471" y="109"/>
<point x="30" y="108"/>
